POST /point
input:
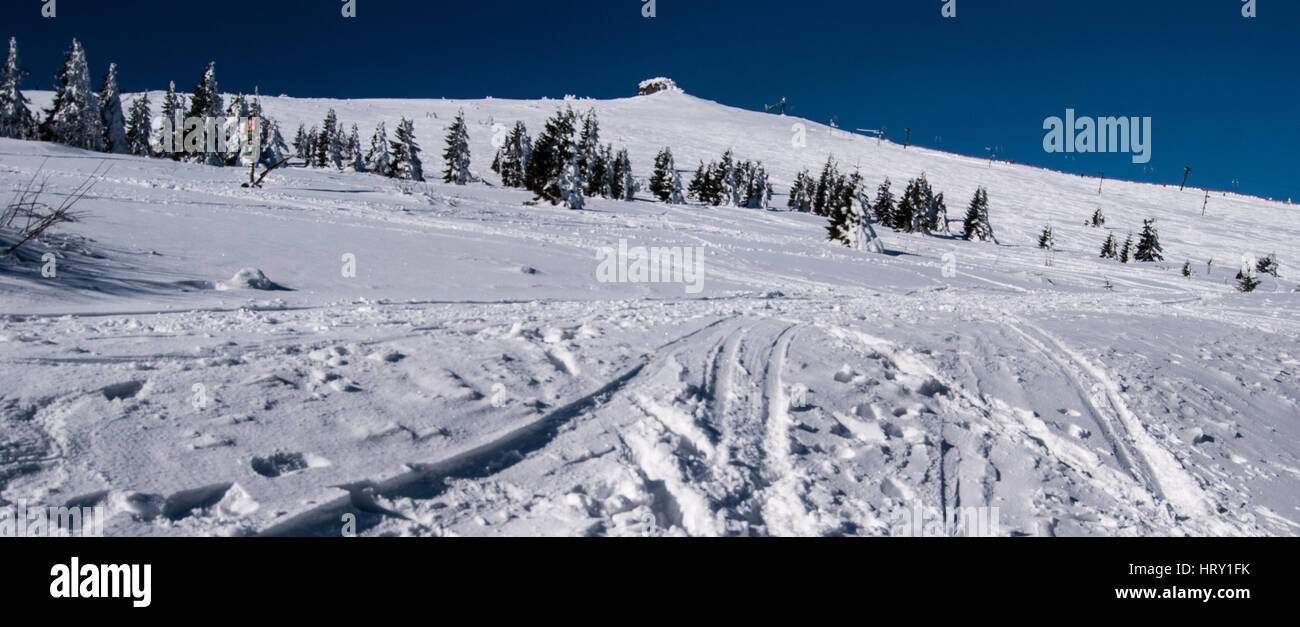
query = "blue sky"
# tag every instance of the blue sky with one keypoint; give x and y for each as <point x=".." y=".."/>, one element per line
<point x="1222" y="90"/>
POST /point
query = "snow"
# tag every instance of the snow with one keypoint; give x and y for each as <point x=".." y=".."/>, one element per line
<point x="472" y="377"/>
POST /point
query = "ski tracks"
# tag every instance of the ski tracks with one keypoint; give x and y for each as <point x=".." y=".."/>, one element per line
<point x="1149" y="462"/>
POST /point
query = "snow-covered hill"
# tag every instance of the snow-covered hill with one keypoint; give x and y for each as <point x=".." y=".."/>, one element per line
<point x="474" y="377"/>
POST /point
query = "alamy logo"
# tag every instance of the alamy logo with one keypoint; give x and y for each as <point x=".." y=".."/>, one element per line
<point x="929" y="522"/>
<point x="206" y="134"/>
<point x="652" y="264"/>
<point x="22" y="521"/>
<point x="75" y="580"/>
<point x="1084" y="134"/>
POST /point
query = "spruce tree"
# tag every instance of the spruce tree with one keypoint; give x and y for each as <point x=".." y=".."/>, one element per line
<point x="977" y="218"/>
<point x="1267" y="265"/>
<point x="74" y="118"/>
<point x="354" y="156"/>
<point x="884" y="207"/>
<point x="1246" y="279"/>
<point x="552" y="153"/>
<point x="511" y="159"/>
<point x="1098" y="220"/>
<point x="698" y="187"/>
<point x="1148" y="248"/>
<point x="678" y="197"/>
<point x="1187" y="269"/>
<point x="623" y="170"/>
<point x="909" y="216"/>
<point x="456" y="155"/>
<point x="1047" y="239"/>
<point x="936" y="220"/>
<point x="329" y="143"/>
<point x="661" y="181"/>
<point x="311" y="140"/>
<point x="1110" y="249"/>
<point x="405" y="152"/>
<point x="300" y="143"/>
<point x="138" y="127"/>
<point x="206" y="104"/>
<point x="587" y="154"/>
<point x="274" y="148"/>
<point x="758" y="190"/>
<point x="821" y="197"/>
<point x="801" y="193"/>
<point x="1127" y="252"/>
<point x="173" y="107"/>
<point x="16" y="120"/>
<point x="378" y="159"/>
<point x="609" y="185"/>
<point x="571" y="186"/>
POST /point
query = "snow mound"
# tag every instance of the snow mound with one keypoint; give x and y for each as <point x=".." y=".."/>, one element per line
<point x="249" y="279"/>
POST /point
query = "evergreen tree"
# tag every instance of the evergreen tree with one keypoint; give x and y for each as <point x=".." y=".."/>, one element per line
<point x="609" y="185"/>
<point x="698" y="188"/>
<point x="1187" y="269"/>
<point x="1246" y="279"/>
<point x="884" y="207"/>
<point x="206" y="104"/>
<point x="587" y="153"/>
<point x="274" y="148"/>
<point x="821" y="197"/>
<point x="909" y="216"/>
<point x="16" y="120"/>
<point x="1047" y="239"/>
<point x="378" y="159"/>
<point x="726" y="180"/>
<point x="1126" y="253"/>
<point x="977" y="218"/>
<point x="353" y="156"/>
<point x="1267" y="265"/>
<point x="936" y="214"/>
<point x="512" y="158"/>
<point x="329" y="144"/>
<point x="661" y="182"/>
<point x="1110" y="249"/>
<point x="1098" y="220"/>
<point x="801" y="193"/>
<point x="74" y="119"/>
<point x="678" y="198"/>
<point x="571" y="186"/>
<point x="173" y="107"/>
<point x="456" y="155"/>
<point x="622" y="172"/>
<point x="552" y="153"/>
<point x="406" y="154"/>
<point x="758" y="190"/>
<point x="138" y="127"/>
<point x="312" y="139"/>
<point x="1148" y="248"/>
<point x="300" y="147"/>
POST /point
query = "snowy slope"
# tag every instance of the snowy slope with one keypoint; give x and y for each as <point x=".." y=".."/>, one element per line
<point x="474" y="377"/>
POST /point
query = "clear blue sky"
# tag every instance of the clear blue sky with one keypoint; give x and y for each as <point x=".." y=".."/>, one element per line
<point x="1222" y="90"/>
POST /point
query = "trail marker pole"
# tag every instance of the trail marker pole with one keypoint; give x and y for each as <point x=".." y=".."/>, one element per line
<point x="1186" y="171"/>
<point x="1206" y="203"/>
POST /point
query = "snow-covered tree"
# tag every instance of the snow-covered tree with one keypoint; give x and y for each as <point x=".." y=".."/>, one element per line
<point x="936" y="213"/>
<point x="678" y="197"/>
<point x="572" y="187"/>
<point x="1047" y="239"/>
<point x="1148" y="248"/>
<point x="757" y="191"/>
<point x="352" y="153"/>
<point x="138" y="127"/>
<point x="622" y="171"/>
<point x="1098" y="219"/>
<point x="456" y="156"/>
<point x="1267" y="265"/>
<point x="378" y="159"/>
<point x="910" y="215"/>
<point x="300" y="144"/>
<point x="884" y="207"/>
<point x="801" y="191"/>
<point x="206" y="104"/>
<point x="74" y="117"/>
<point x="329" y="144"/>
<point x="1187" y="269"/>
<point x="405" y="153"/>
<point x="16" y="120"/>
<point x="552" y="153"/>
<point x="600" y="173"/>
<point x="274" y="148"/>
<point x="512" y="158"/>
<point x="661" y="181"/>
<point x="587" y="152"/>
<point x="1246" y="279"/>
<point x="1110" y="249"/>
<point x="977" y="218"/>
<point x="821" y="197"/>
<point x="1126" y="253"/>
<point x="311" y="141"/>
